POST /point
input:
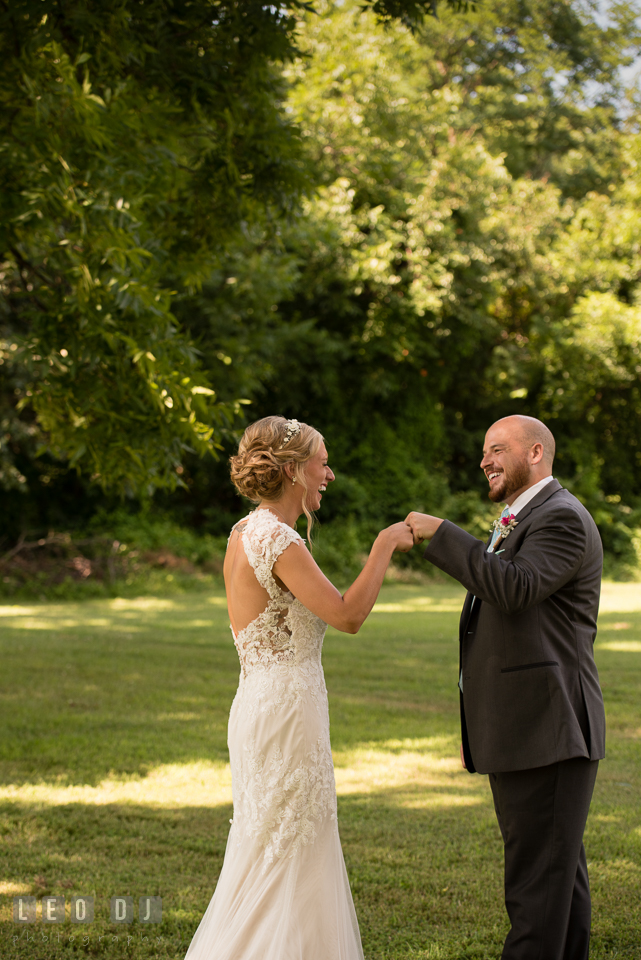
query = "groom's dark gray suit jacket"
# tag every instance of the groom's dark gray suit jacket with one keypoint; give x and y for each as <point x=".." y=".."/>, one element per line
<point x="531" y="693"/>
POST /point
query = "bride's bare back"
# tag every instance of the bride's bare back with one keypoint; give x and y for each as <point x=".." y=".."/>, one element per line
<point x="246" y="598"/>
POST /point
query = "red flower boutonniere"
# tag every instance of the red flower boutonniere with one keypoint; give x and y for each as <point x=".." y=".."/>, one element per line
<point x="504" y="525"/>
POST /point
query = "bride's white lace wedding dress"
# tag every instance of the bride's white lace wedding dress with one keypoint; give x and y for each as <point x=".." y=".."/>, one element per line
<point x="283" y="892"/>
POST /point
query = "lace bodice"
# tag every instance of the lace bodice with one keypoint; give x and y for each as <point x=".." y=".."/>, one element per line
<point x="285" y="632"/>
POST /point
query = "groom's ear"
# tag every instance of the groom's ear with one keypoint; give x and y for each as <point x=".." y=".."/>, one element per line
<point x="536" y="453"/>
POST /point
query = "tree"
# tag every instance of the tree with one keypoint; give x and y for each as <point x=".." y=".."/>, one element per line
<point x="429" y="289"/>
<point x="408" y="232"/>
<point x="136" y="138"/>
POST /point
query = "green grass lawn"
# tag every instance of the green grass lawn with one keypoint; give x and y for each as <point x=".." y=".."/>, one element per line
<point x="114" y="777"/>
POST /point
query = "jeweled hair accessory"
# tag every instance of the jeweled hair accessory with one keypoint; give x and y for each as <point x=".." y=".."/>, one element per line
<point x="293" y="429"/>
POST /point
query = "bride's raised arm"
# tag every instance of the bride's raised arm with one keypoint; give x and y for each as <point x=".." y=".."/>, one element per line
<point x="300" y="573"/>
<point x="282" y="467"/>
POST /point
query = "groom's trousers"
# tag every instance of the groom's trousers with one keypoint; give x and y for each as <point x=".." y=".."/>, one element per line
<point x="542" y="815"/>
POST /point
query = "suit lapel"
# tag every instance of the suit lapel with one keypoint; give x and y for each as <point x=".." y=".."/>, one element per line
<point x="552" y="487"/>
<point x="548" y="490"/>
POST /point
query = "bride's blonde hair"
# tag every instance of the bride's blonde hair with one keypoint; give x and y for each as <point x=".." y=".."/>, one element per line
<point x="266" y="446"/>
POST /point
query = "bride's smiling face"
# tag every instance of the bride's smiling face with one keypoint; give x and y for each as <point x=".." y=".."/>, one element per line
<point x="317" y="474"/>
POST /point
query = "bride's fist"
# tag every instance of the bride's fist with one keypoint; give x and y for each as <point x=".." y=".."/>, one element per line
<point x="401" y="536"/>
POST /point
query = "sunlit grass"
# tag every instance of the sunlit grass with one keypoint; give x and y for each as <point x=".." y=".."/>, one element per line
<point x="114" y="775"/>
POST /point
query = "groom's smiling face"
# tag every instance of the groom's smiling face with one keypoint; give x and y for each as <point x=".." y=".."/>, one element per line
<point x="505" y="463"/>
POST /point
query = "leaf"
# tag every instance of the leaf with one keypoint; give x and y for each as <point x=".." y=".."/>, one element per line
<point x="79" y="452"/>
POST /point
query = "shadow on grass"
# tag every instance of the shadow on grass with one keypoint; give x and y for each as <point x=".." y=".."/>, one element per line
<point x="112" y="689"/>
<point x="425" y="865"/>
<point x="412" y="869"/>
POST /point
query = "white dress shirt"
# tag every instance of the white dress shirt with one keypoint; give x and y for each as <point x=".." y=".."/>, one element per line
<point x="527" y="495"/>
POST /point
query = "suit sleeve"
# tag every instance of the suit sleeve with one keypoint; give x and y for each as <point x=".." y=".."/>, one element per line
<point x="551" y="552"/>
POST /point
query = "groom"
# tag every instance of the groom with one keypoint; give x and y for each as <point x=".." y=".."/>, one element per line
<point x="531" y="706"/>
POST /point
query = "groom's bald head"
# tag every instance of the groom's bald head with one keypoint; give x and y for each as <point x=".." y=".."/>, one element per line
<point x="518" y="452"/>
<point x="528" y="431"/>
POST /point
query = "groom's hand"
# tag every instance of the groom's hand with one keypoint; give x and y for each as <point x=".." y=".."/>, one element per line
<point x="422" y="525"/>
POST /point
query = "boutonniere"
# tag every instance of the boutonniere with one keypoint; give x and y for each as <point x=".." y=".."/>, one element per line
<point x="504" y="525"/>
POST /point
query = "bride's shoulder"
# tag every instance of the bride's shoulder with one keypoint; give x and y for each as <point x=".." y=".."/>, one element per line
<point x="265" y="527"/>
<point x="238" y="527"/>
<point x="258" y="521"/>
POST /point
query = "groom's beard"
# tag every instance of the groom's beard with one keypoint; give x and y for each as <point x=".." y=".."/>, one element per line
<point x="513" y="479"/>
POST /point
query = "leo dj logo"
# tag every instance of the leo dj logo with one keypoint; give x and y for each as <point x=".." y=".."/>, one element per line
<point x="53" y="909"/>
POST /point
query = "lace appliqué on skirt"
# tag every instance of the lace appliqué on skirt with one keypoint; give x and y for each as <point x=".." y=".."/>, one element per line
<point x="283" y="799"/>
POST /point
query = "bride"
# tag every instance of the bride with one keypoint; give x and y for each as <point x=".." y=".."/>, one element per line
<point x="283" y="892"/>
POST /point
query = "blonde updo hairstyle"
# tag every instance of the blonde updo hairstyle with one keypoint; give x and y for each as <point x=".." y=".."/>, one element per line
<point x="258" y="469"/>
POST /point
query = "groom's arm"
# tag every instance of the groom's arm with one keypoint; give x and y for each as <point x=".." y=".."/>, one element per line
<point x="550" y="554"/>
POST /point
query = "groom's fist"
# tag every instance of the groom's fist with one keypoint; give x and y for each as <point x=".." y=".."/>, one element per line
<point x="422" y="525"/>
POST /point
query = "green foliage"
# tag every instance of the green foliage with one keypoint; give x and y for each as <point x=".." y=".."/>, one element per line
<point x="135" y="139"/>
<point x="118" y="553"/>
<point x="539" y="83"/>
<point x="437" y="288"/>
<point x="460" y="242"/>
<point x="430" y="288"/>
<point x="146" y="531"/>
